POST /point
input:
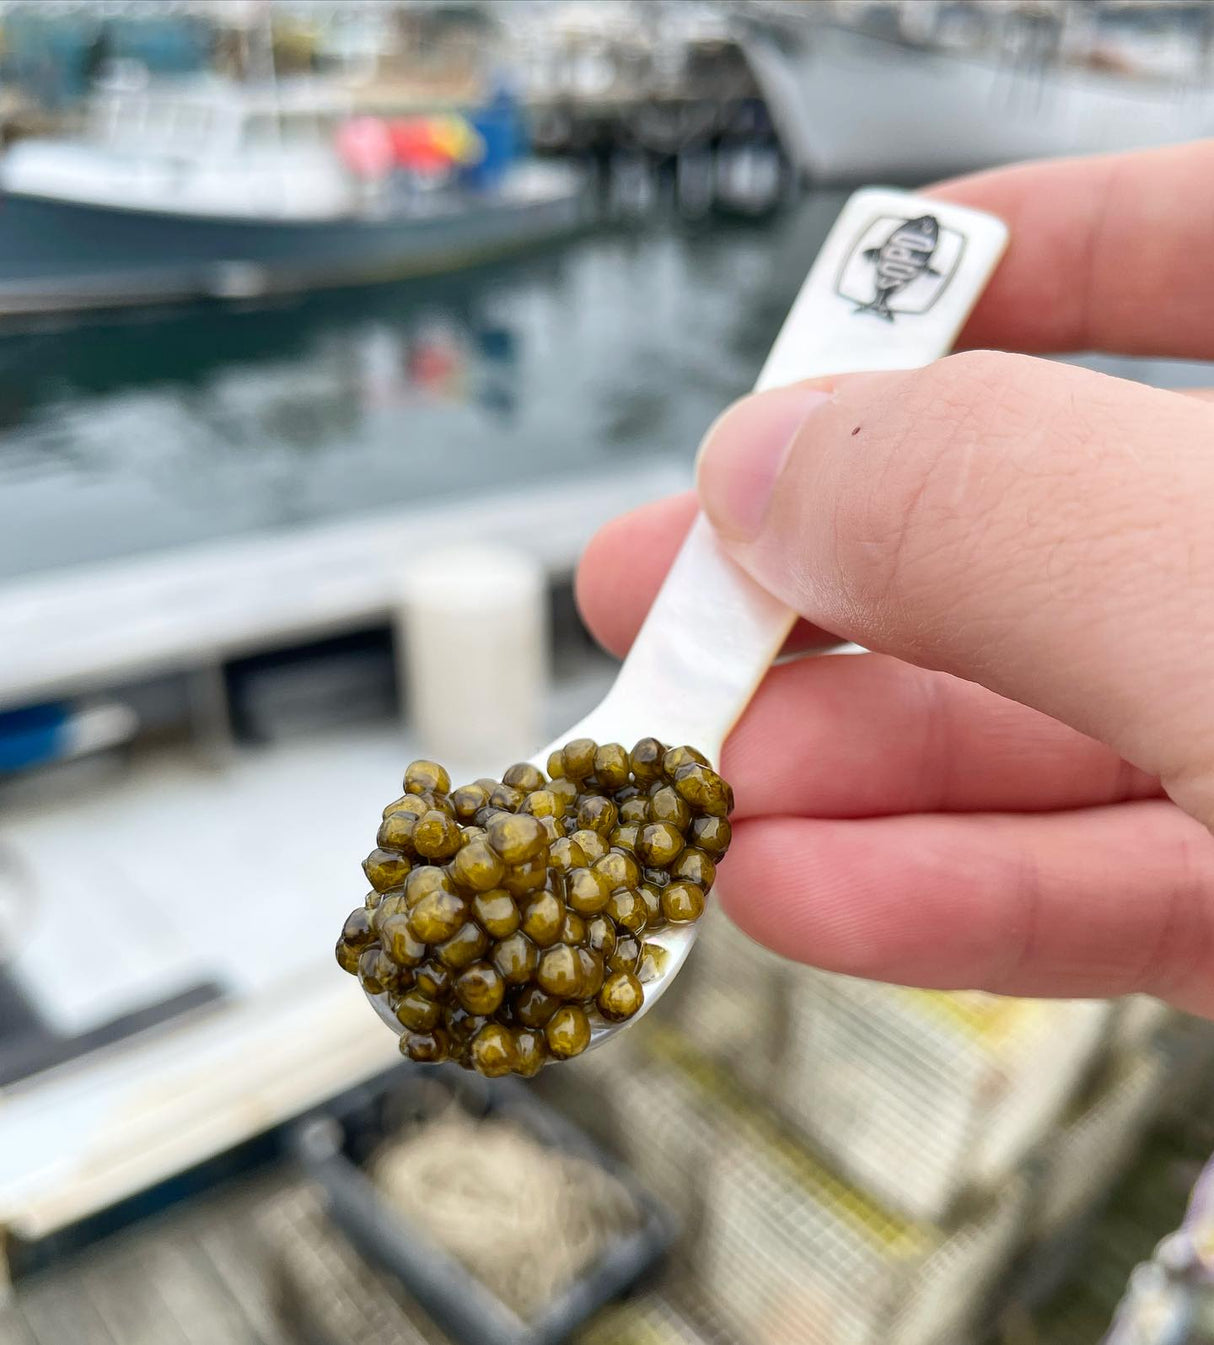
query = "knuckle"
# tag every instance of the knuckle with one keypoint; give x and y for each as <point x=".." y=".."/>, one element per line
<point x="1180" y="953"/>
<point x="1189" y="780"/>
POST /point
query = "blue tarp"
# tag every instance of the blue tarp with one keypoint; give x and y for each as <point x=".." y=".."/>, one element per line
<point x="32" y="735"/>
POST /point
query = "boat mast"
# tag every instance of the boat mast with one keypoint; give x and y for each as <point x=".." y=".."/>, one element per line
<point x="266" y="75"/>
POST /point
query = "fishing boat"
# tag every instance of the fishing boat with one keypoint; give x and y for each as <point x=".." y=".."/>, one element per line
<point x="852" y="103"/>
<point x="204" y="187"/>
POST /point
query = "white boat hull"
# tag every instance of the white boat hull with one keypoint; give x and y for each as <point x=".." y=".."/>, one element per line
<point x="60" y="254"/>
<point x="852" y="107"/>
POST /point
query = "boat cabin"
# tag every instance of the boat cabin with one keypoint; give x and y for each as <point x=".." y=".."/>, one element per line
<point x="199" y="146"/>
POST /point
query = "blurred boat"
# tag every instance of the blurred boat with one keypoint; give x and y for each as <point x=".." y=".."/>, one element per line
<point x="211" y="188"/>
<point x="851" y="104"/>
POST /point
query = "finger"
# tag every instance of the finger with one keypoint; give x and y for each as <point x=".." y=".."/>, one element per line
<point x="625" y="563"/>
<point x="1037" y="528"/>
<point x="1098" y="902"/>
<point x="1101" y="255"/>
<point x="865" y="736"/>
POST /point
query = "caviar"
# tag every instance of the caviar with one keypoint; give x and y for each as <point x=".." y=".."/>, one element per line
<point x="620" y="996"/>
<point x="507" y="916"/>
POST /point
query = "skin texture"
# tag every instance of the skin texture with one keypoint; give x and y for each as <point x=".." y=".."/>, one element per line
<point x="1015" y="791"/>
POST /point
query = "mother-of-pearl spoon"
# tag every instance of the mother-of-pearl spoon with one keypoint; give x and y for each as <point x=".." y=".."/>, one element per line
<point x="891" y="288"/>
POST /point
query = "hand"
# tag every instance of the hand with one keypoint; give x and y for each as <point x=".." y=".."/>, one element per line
<point x="1015" y="792"/>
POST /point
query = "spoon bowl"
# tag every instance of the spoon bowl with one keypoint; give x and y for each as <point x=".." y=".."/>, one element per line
<point x="675" y="941"/>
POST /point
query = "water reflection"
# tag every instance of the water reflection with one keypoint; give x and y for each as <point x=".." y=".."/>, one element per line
<point x="158" y="430"/>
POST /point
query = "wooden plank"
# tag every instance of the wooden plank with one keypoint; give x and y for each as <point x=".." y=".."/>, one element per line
<point x="220" y="1238"/>
<point x="13" y="1330"/>
<point x="157" y="1282"/>
<point x="194" y="1296"/>
<point x="238" y="1258"/>
<point x="56" y="1313"/>
<point x="121" y="1282"/>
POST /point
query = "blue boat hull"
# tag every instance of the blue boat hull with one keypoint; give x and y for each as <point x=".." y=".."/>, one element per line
<point x="57" y="254"/>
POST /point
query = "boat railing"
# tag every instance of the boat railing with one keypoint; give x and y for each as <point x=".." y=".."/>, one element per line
<point x="212" y="124"/>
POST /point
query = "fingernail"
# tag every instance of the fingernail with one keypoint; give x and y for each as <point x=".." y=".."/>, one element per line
<point x="744" y="452"/>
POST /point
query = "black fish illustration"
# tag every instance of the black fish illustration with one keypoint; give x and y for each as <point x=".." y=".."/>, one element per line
<point x="905" y="255"/>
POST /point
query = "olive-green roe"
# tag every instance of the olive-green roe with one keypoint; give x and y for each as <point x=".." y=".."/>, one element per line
<point x="505" y="914"/>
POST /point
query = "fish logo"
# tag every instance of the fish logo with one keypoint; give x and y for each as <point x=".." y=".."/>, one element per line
<point x="899" y="266"/>
<point x="904" y="256"/>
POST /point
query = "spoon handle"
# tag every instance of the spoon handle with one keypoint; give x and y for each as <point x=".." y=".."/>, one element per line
<point x="891" y="288"/>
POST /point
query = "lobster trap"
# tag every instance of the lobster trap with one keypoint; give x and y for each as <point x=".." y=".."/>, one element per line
<point x="925" y="1097"/>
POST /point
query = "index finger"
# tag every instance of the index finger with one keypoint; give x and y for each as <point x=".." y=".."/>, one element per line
<point x="625" y="563"/>
<point x="1107" y="253"/>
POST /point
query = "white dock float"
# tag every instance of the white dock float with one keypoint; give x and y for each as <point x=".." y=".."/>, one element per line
<point x="88" y="627"/>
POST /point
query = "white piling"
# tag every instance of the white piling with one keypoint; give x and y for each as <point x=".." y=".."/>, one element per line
<point x="472" y="640"/>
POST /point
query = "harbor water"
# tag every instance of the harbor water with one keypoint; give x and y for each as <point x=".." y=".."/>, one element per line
<point x="155" y="430"/>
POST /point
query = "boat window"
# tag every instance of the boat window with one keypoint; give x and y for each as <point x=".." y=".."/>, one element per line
<point x="286" y="127"/>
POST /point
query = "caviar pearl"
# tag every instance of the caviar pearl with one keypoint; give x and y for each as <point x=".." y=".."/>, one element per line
<point x="506" y="916"/>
